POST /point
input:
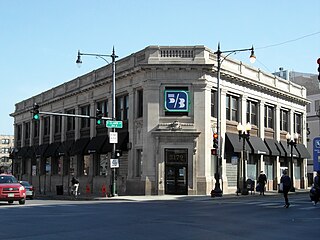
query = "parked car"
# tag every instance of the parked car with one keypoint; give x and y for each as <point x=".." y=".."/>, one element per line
<point x="11" y="190"/>
<point x="30" y="192"/>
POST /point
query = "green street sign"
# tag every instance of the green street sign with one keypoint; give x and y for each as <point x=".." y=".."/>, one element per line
<point x="114" y="124"/>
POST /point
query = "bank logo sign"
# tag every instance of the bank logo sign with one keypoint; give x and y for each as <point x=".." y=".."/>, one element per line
<point x="176" y="101"/>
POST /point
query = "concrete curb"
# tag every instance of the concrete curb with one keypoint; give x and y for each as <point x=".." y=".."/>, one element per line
<point x="160" y="197"/>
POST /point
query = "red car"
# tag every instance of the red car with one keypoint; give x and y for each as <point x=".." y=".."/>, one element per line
<point x="11" y="190"/>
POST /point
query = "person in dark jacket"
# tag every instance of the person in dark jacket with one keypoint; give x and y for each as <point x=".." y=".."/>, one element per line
<point x="316" y="185"/>
<point x="262" y="180"/>
<point x="286" y="183"/>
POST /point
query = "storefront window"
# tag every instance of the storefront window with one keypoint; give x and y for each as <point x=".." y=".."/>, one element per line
<point x="103" y="166"/>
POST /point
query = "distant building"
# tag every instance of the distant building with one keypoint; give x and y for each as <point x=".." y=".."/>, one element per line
<point x="6" y="147"/>
<point x="166" y="99"/>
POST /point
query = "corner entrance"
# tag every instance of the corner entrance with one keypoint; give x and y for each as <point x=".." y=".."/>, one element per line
<point x="176" y="169"/>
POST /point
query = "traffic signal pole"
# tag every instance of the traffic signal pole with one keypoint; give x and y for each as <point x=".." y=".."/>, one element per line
<point x="73" y="115"/>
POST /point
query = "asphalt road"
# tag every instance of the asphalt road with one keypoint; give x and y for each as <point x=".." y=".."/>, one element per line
<point x="234" y="218"/>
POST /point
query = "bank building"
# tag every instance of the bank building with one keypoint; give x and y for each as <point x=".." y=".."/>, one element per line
<point x="166" y="100"/>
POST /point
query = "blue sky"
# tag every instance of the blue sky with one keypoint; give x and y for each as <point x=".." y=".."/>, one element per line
<point x="39" y="39"/>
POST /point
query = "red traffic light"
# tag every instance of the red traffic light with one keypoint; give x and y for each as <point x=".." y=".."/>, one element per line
<point x="215" y="135"/>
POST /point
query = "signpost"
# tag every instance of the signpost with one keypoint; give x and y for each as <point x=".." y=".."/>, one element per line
<point x="316" y="154"/>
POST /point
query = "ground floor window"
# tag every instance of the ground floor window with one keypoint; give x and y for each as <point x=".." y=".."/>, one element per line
<point x="297" y="169"/>
<point x="138" y="163"/>
<point x="252" y="167"/>
<point x="103" y="165"/>
<point x="269" y="167"/>
<point x="86" y="165"/>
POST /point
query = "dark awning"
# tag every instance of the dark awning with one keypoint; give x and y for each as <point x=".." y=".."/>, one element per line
<point x="96" y="144"/>
<point x="106" y="147"/>
<point x="258" y="146"/>
<point x="79" y="146"/>
<point x="52" y="149"/>
<point x="40" y="150"/>
<point x="123" y="141"/>
<point x="287" y="149"/>
<point x="303" y="151"/>
<point x="234" y="144"/>
<point x="273" y="147"/>
<point x="31" y="152"/>
<point x="22" y="152"/>
<point x="65" y="147"/>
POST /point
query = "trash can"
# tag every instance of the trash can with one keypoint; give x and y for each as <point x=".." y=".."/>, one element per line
<point x="59" y="189"/>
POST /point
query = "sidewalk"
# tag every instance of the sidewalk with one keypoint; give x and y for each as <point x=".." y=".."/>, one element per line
<point x="91" y="197"/>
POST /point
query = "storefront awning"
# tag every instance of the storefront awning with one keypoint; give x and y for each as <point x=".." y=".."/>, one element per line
<point x="22" y="152"/>
<point x="258" y="146"/>
<point x="96" y="144"/>
<point x="79" y="146"/>
<point x="40" y="150"/>
<point x="303" y="151"/>
<point x="65" y="147"/>
<point x="287" y="149"/>
<point x="234" y="144"/>
<point x="52" y="150"/>
<point x="274" y="148"/>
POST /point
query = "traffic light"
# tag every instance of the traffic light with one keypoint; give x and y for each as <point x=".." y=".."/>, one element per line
<point x="99" y="117"/>
<point x="35" y="111"/>
<point x="118" y="153"/>
<point x="215" y="141"/>
<point x="318" y="61"/>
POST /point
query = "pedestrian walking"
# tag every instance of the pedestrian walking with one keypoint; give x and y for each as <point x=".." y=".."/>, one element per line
<point x="285" y="181"/>
<point x="262" y="180"/>
<point x="316" y="186"/>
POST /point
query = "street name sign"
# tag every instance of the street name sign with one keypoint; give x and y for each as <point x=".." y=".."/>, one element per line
<point x="114" y="124"/>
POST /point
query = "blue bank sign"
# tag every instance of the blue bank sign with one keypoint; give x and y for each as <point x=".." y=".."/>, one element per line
<point x="176" y="101"/>
<point x="316" y="153"/>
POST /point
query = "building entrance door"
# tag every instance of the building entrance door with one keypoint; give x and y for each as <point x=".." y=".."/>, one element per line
<point x="176" y="177"/>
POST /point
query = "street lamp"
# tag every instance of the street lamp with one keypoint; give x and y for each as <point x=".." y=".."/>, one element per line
<point x="292" y="142"/>
<point x="113" y="57"/>
<point x="217" y="190"/>
<point x="244" y="134"/>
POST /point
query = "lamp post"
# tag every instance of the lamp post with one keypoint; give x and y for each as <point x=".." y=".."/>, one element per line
<point x="113" y="57"/>
<point x="244" y="134"/>
<point x="292" y="142"/>
<point x="217" y="190"/>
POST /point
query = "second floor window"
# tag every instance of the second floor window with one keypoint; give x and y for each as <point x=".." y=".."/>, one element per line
<point x="57" y="124"/>
<point x="232" y="108"/>
<point x="46" y="126"/>
<point x="103" y="106"/>
<point x="85" y="122"/>
<point x="284" y="120"/>
<point x="213" y="103"/>
<point x="36" y="127"/>
<point x="70" y="120"/>
<point x="122" y="107"/>
<point x="19" y="132"/>
<point x="268" y="116"/>
<point x="252" y="112"/>
<point x="297" y="123"/>
<point x="140" y="103"/>
<point x="27" y="130"/>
